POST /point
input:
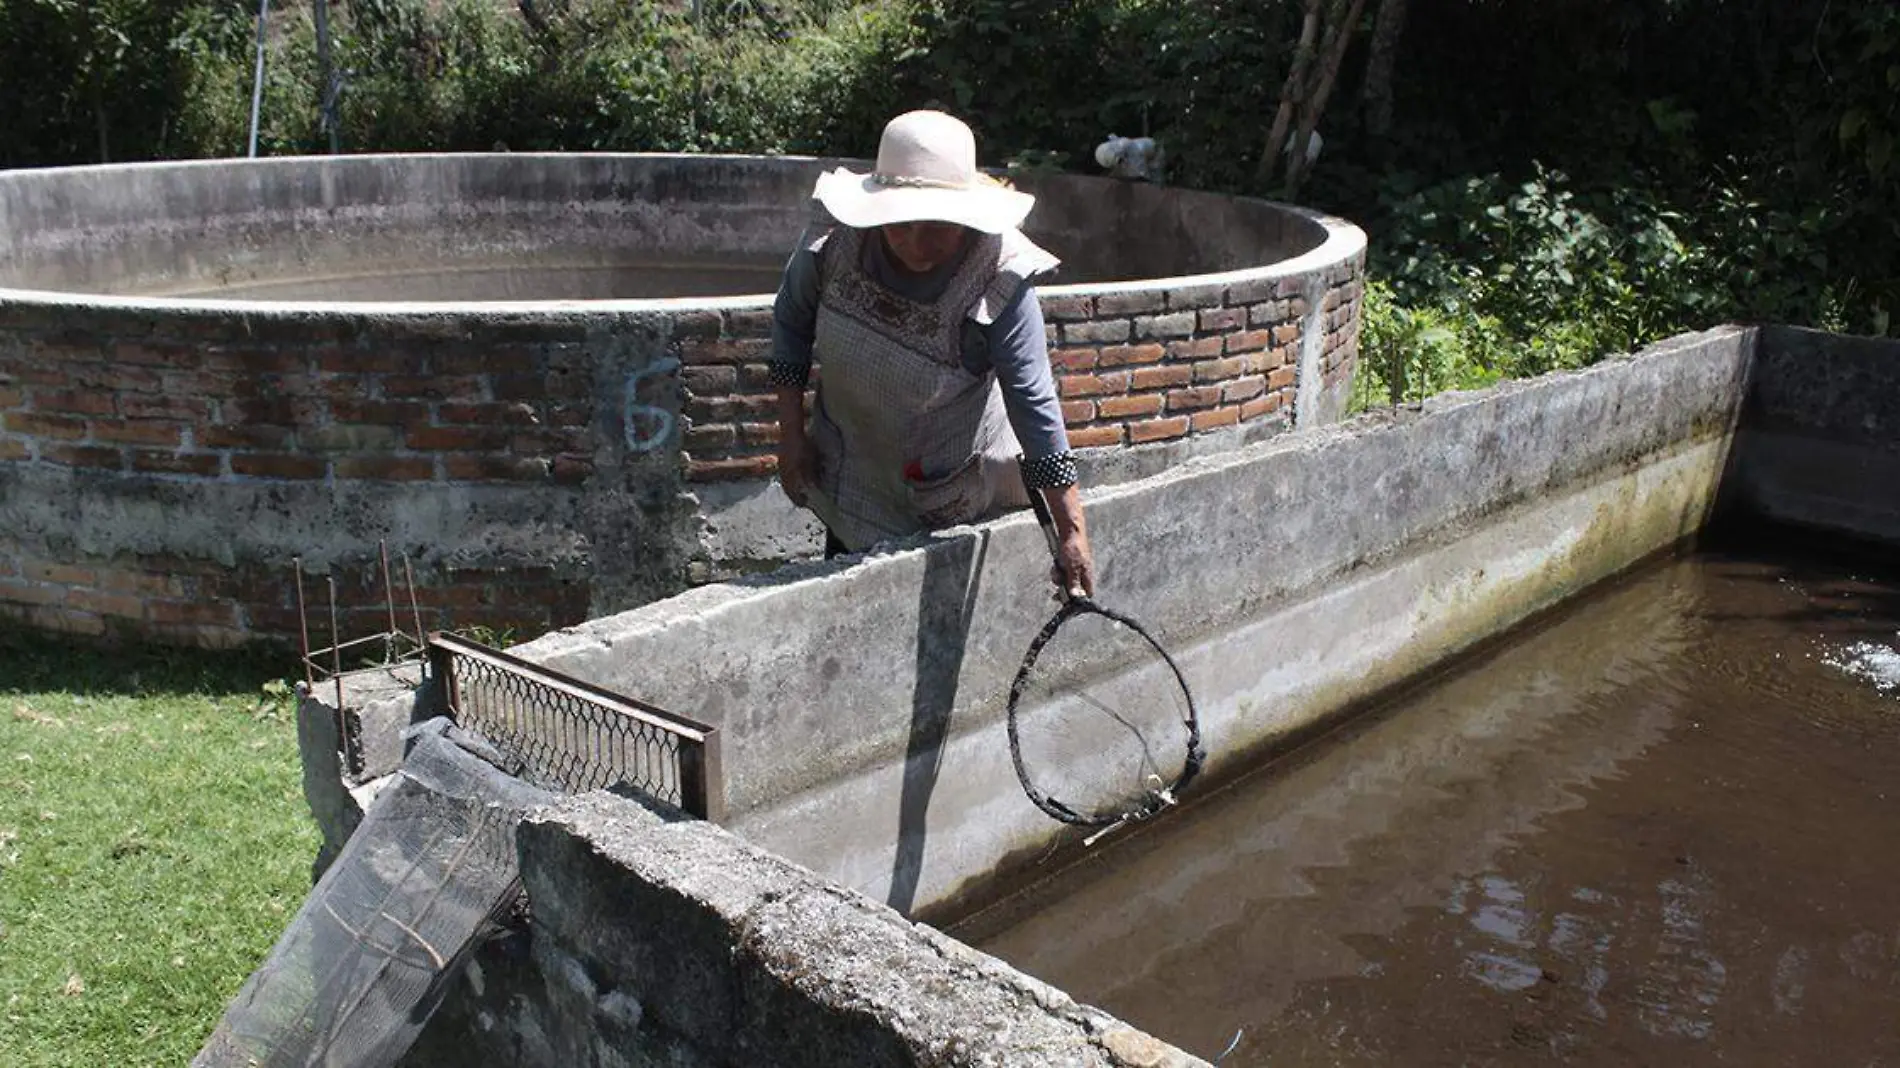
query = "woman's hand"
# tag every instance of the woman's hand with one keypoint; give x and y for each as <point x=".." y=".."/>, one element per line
<point x="1074" y="572"/>
<point x="797" y="460"/>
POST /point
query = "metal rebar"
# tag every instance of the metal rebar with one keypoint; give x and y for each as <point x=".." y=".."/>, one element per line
<point x="303" y="627"/>
<point x="336" y="645"/>
<point x="389" y="597"/>
<point x="409" y="579"/>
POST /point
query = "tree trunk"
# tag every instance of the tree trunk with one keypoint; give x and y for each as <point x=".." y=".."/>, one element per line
<point x="1338" y="39"/>
<point x="1290" y="94"/>
<point x="1382" y="57"/>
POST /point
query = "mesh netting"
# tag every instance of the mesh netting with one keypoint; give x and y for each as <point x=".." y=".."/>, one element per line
<point x="357" y="973"/>
<point x="1102" y="727"/>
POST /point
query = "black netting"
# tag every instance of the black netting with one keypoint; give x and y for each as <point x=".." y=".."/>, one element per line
<point x="1102" y="727"/>
<point x="355" y="976"/>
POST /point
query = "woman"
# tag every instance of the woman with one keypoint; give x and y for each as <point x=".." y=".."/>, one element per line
<point x="921" y="311"/>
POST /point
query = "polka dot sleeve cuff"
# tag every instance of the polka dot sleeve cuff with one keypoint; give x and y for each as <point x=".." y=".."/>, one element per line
<point x="785" y="373"/>
<point x="1050" y="472"/>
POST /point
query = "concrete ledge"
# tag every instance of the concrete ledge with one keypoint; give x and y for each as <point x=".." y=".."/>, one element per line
<point x="675" y="936"/>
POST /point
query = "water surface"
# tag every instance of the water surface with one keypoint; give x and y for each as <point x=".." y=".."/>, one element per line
<point x="1663" y="828"/>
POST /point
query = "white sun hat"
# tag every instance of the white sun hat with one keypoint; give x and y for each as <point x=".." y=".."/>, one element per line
<point x="926" y="171"/>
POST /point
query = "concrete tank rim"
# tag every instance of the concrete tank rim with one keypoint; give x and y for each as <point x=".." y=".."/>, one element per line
<point x="1343" y="242"/>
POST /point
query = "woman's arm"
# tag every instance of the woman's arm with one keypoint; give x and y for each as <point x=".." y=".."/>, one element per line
<point x="1019" y="354"/>
<point x="794" y="324"/>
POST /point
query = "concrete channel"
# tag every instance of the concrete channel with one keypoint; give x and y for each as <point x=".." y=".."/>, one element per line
<point x="1301" y="579"/>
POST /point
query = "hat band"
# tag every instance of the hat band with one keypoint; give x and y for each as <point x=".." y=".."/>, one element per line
<point x="904" y="181"/>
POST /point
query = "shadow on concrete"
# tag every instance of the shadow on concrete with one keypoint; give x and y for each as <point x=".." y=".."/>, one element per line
<point x="952" y="577"/>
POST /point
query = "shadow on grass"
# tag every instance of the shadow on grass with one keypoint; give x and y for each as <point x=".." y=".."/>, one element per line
<point x="37" y="661"/>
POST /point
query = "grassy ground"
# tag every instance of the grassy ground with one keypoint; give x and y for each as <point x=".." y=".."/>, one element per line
<point x="153" y="843"/>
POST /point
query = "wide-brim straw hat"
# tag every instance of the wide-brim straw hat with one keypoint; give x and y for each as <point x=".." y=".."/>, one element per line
<point x="926" y="172"/>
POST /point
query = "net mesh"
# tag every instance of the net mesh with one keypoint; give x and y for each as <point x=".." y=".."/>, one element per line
<point x="355" y="976"/>
<point x="1101" y="724"/>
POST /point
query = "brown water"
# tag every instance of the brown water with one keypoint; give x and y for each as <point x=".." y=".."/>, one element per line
<point x="1663" y="828"/>
<point x="492" y="282"/>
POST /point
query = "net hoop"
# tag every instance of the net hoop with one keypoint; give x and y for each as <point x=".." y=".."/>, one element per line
<point x="1156" y="800"/>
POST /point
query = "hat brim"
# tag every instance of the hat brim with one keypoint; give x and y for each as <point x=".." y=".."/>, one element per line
<point x="861" y="202"/>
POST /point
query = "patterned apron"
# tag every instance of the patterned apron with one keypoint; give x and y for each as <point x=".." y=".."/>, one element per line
<point x="907" y="439"/>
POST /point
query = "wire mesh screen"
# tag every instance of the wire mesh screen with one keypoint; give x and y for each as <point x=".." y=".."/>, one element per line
<point x="570" y="736"/>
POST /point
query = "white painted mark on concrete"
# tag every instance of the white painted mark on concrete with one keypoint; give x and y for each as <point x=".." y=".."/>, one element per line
<point x="647" y="427"/>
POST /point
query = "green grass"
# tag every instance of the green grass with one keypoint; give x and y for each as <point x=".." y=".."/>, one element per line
<point x="153" y="843"/>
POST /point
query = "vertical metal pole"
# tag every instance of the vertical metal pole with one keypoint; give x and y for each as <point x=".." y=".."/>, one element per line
<point x="409" y="579"/>
<point x="326" y="78"/>
<point x="257" y="79"/>
<point x="389" y="585"/>
<point x="336" y="646"/>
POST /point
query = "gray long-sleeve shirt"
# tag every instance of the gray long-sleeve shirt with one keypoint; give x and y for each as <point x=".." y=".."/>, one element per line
<point x="1013" y="346"/>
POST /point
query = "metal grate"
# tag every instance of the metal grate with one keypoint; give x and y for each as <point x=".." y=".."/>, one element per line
<point x="571" y="736"/>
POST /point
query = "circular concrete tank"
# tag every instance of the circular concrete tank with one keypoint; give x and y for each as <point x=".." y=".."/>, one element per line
<point x="540" y="378"/>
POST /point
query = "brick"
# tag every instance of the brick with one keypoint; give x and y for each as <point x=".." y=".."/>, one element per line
<point x="1157" y="430"/>
<point x="749" y="350"/>
<point x="1280" y="378"/>
<point x="1249" y="291"/>
<point x="1268" y="313"/>
<point x="1078" y="411"/>
<point x="278" y="465"/>
<point x="709" y="381"/>
<point x="138" y="433"/>
<point x="11" y="397"/>
<point x="1131" y="302"/>
<point x="1221" y="320"/>
<point x="1078" y="359"/>
<point x="107" y="604"/>
<point x="1093" y="385"/>
<point x="1243" y="389"/>
<point x="484" y="359"/>
<point x="381" y="468"/>
<point x="457" y="438"/>
<point x="1130" y="405"/>
<point x="163" y="462"/>
<point x="759" y="435"/>
<point x="1178" y="324"/>
<point x="245" y="437"/>
<point x="400" y="413"/>
<point x="1096" y="332"/>
<point x="197" y="613"/>
<point x="730" y="468"/>
<point x="495" y="468"/>
<point x="1217" y="417"/>
<point x="1187" y="400"/>
<point x="186" y="409"/>
<point x="1162" y="377"/>
<point x="1197" y="349"/>
<point x="15" y="449"/>
<point x="56" y="427"/>
<point x="1250" y="341"/>
<point x="729" y="409"/>
<point x="141" y="582"/>
<point x="66" y="621"/>
<point x="96" y="456"/>
<point x="75" y="402"/>
<point x="1195" y="297"/>
<point x="572" y="469"/>
<point x="1294" y="286"/>
<point x="436" y="387"/>
<point x="1124" y="355"/>
<point x="717" y="437"/>
<point x="1260" y="406"/>
<point x="154" y="353"/>
<point x="1067" y="309"/>
<point x="351" y="437"/>
<point x="1286" y="333"/>
<point x="696" y="324"/>
<point x="252" y="360"/>
<point x="748" y="323"/>
<point x="1220" y="370"/>
<point x="1096" y="437"/>
<point x="30" y="592"/>
<point x="60" y="574"/>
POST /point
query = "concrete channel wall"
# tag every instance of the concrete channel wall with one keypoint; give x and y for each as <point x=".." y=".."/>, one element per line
<point x="1298" y="578"/>
<point x="180" y="419"/>
<point x="862" y="702"/>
